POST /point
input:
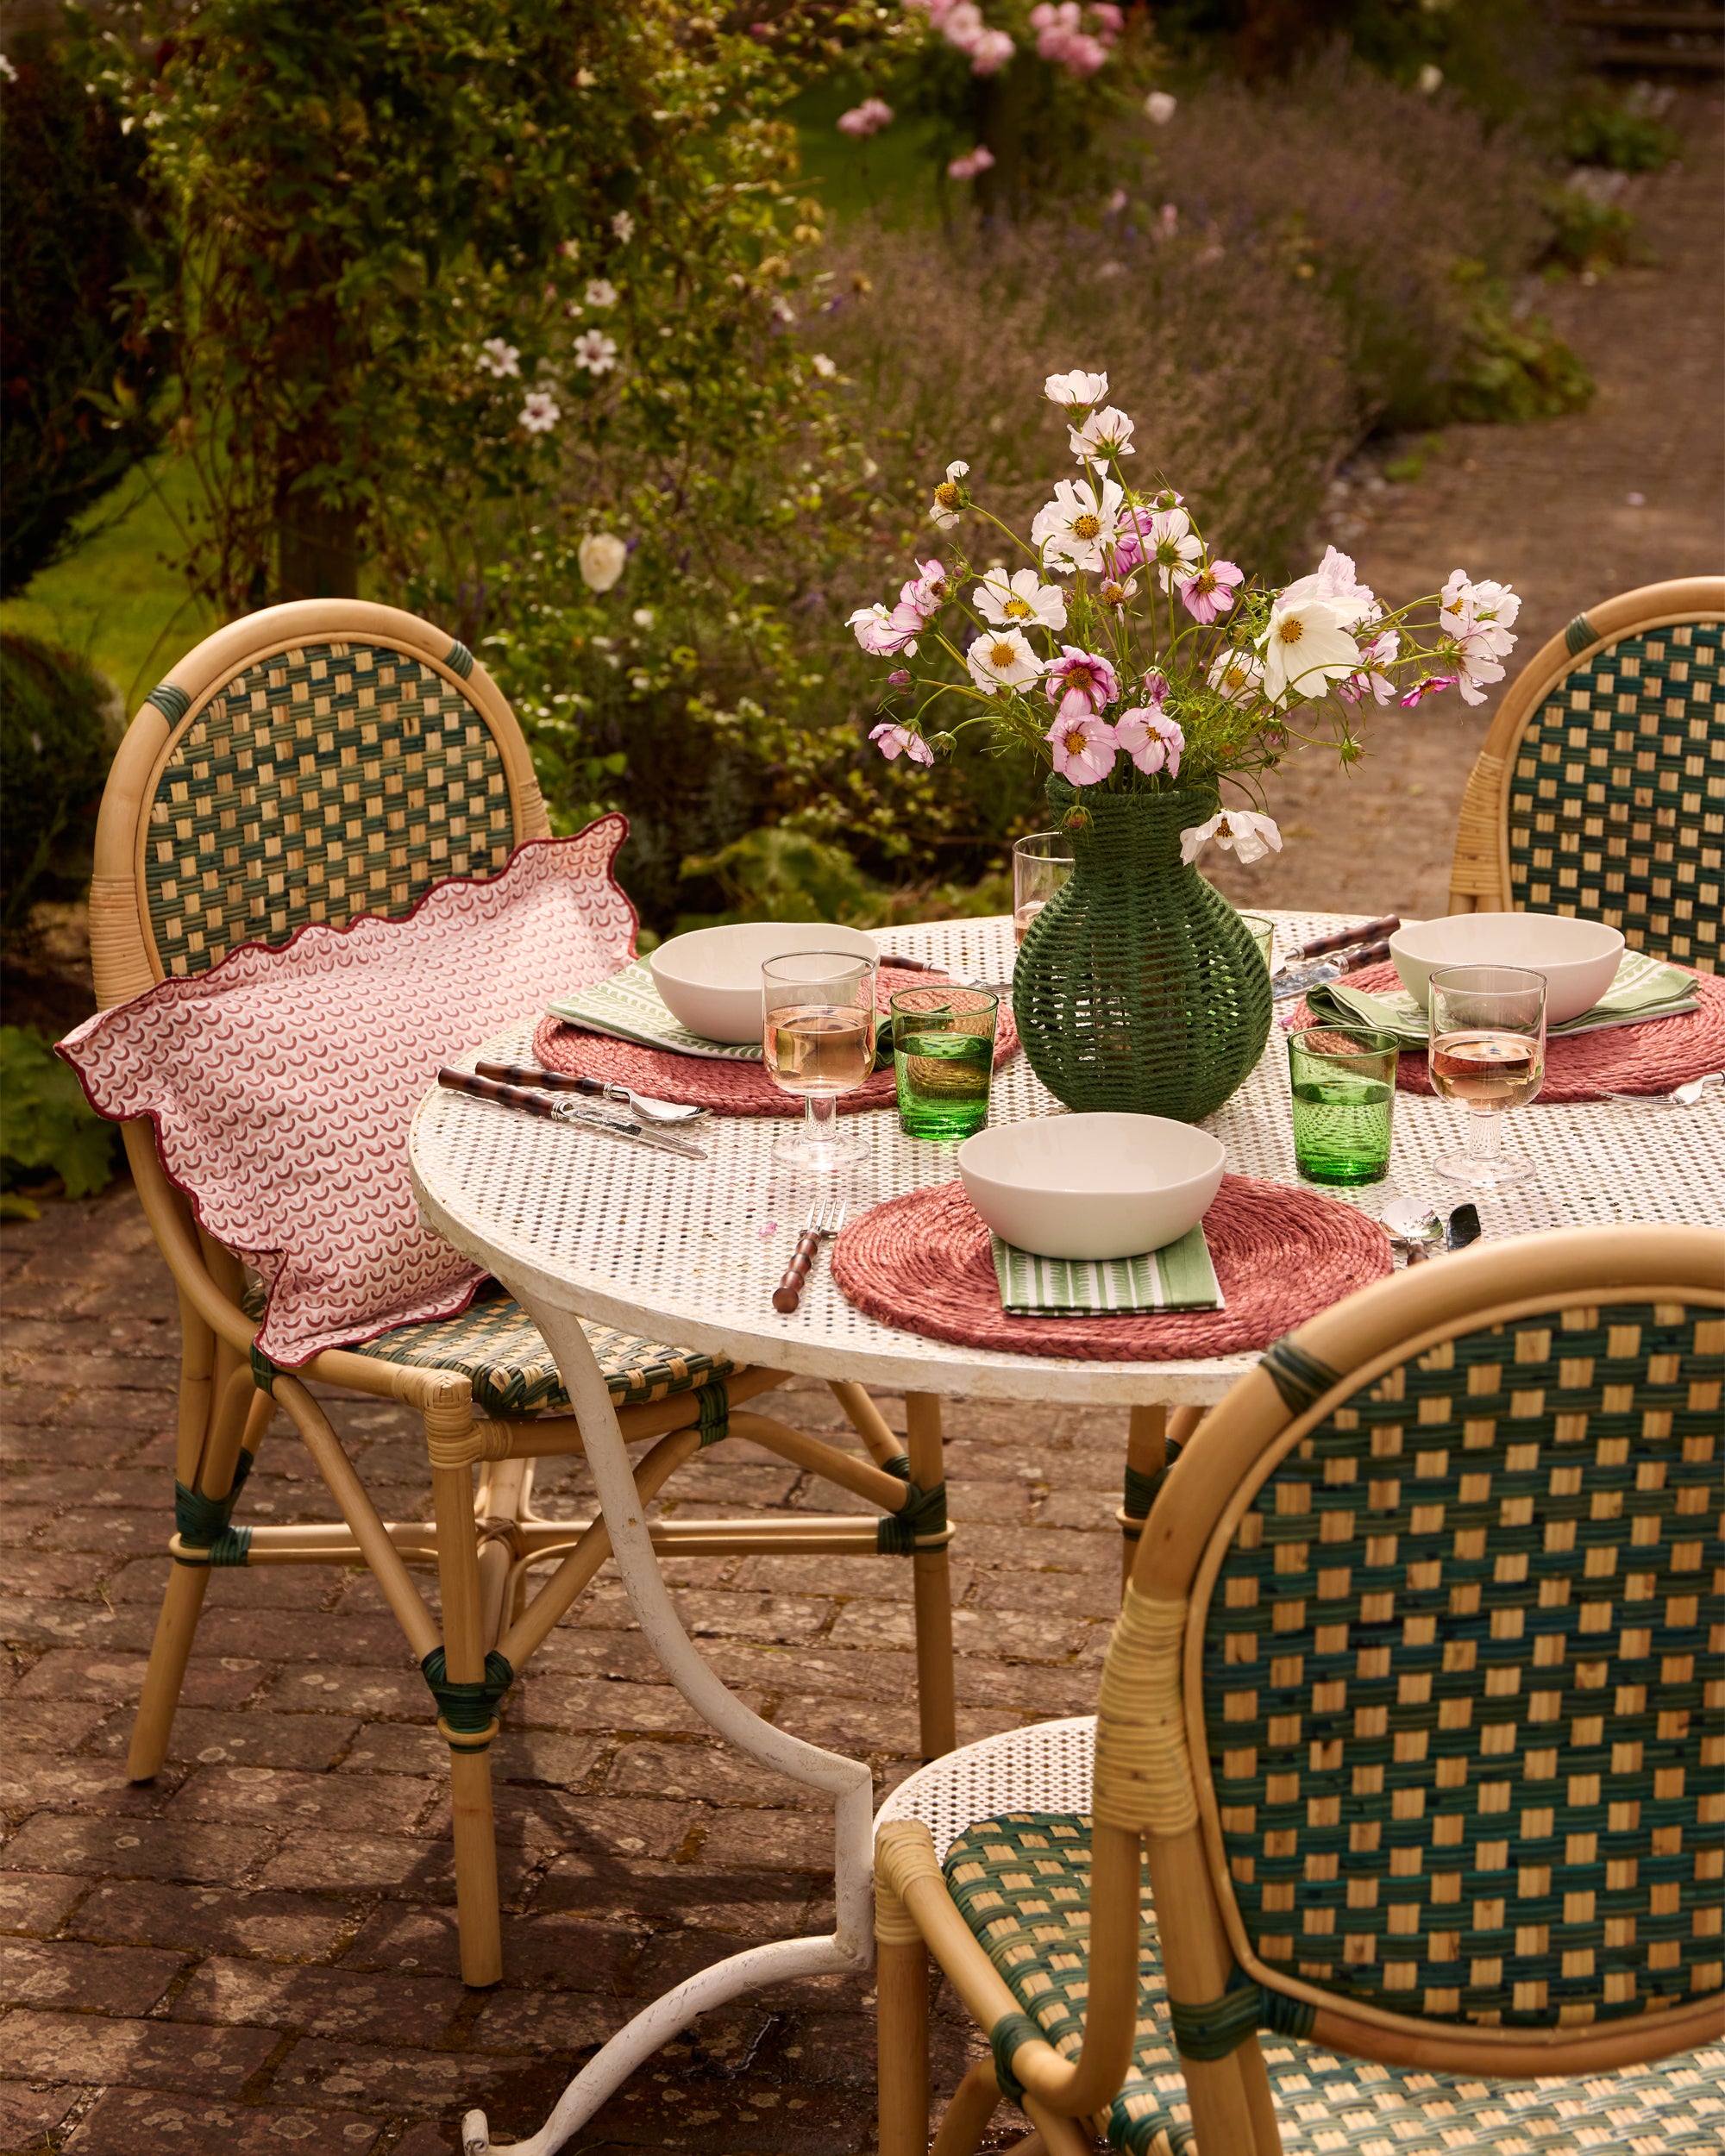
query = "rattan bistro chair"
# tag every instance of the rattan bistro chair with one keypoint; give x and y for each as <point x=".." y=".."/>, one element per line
<point x="1415" y="1705"/>
<point x="1601" y="788"/>
<point x="390" y="760"/>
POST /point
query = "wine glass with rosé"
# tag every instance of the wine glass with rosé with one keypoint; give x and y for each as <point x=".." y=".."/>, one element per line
<point x="1041" y="863"/>
<point x="818" y="1037"/>
<point x="1488" y="1048"/>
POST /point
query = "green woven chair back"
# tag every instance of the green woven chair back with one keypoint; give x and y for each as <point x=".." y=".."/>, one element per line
<point x="326" y="780"/>
<point x="1457" y="1661"/>
<point x="1617" y="796"/>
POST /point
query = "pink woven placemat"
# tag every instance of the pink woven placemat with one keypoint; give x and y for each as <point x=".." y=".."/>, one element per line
<point x="1650" y="1058"/>
<point x="729" y="1089"/>
<point x="922" y="1262"/>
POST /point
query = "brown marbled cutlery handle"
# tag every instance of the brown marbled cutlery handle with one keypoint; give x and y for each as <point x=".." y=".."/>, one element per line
<point x="789" y="1291"/>
<point x="547" y="1081"/>
<point x="494" y="1090"/>
<point x="1370" y="956"/>
<point x="1339" y="939"/>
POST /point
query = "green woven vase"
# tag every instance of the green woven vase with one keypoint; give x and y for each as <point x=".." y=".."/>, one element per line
<point x="1138" y="986"/>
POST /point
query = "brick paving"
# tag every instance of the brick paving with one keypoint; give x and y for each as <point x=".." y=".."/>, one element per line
<point x="259" y="1948"/>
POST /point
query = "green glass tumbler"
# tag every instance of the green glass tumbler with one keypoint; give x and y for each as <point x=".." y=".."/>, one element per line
<point x="1344" y="1087"/>
<point x="944" y="1054"/>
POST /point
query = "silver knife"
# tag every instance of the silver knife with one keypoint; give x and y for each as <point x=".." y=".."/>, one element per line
<point x="1324" y="970"/>
<point x="636" y="1133"/>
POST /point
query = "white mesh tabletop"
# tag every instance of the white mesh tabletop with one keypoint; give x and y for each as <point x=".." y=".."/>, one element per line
<point x="690" y="1251"/>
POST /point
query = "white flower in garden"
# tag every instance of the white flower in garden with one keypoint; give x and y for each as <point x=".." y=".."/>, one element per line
<point x="1305" y="649"/>
<point x="1113" y="592"/>
<point x="497" y="357"/>
<point x="895" y="741"/>
<point x="8" y="73"/>
<point x="595" y="351"/>
<point x="949" y="496"/>
<point x="1077" y="390"/>
<point x="1024" y="599"/>
<point x="884" y="635"/>
<point x="1249" y="835"/>
<point x="570" y="250"/>
<point x="1483" y="610"/>
<point x="643" y="618"/>
<point x="1078" y="522"/>
<point x="624" y="226"/>
<point x="782" y="311"/>
<point x="1082" y="745"/>
<point x="824" y="368"/>
<point x="1172" y="546"/>
<point x="539" y="412"/>
<point x="602" y="556"/>
<point x="1333" y="582"/>
<point x="1237" y="676"/>
<point x="1002" y="659"/>
<point x="1107" y="433"/>
<point x="1159" y="108"/>
<point x="1429" y="80"/>
<point x="600" y="292"/>
<point x="1154" y="742"/>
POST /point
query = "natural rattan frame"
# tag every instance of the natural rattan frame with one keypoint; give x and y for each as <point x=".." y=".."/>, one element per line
<point x="482" y="1541"/>
<point x="1151" y="1789"/>
<point x="1479" y="874"/>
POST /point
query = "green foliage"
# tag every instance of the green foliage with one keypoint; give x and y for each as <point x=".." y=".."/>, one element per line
<point x="1626" y="133"/>
<point x="47" y="1125"/>
<point x="780" y="875"/>
<point x="55" y="745"/>
<point x="78" y="369"/>
<point x="1588" y="229"/>
<point x="1515" y="367"/>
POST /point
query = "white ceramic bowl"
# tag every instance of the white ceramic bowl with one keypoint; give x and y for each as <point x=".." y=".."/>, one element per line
<point x="710" y="978"/>
<point x="1578" y="958"/>
<point x="1092" y="1186"/>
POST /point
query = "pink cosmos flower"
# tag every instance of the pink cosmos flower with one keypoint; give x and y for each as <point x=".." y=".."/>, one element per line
<point x="927" y="590"/>
<point x="1210" y="591"/>
<point x="881" y="635"/>
<point x="1132" y="542"/>
<point x="1082" y="681"/>
<point x="899" y="678"/>
<point x="868" y="118"/>
<point x="1373" y="678"/>
<point x="896" y="741"/>
<point x="1432" y="684"/>
<point x="1153" y="742"/>
<point x="1083" y="747"/>
<point x="1084" y="55"/>
<point x="1155" y="687"/>
<point x="974" y="161"/>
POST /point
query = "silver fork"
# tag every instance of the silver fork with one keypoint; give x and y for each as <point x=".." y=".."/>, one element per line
<point x="1679" y="1097"/>
<point x="826" y="1218"/>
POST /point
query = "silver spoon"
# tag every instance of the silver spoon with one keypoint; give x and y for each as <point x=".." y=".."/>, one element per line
<point x="1679" y="1097"/>
<point x="1415" y="1229"/>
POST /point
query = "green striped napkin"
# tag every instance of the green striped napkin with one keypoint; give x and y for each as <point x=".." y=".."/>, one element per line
<point x="1645" y="988"/>
<point x="630" y="1008"/>
<point x="1180" y="1277"/>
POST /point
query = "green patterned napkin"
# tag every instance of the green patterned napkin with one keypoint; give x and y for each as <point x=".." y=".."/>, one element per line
<point x="1180" y="1277"/>
<point x="629" y="1007"/>
<point x="1645" y="988"/>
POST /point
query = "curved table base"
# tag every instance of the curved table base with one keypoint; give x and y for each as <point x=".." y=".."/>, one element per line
<point x="851" y="1947"/>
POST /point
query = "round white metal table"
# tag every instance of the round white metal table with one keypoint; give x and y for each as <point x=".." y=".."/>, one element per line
<point x="579" y="1226"/>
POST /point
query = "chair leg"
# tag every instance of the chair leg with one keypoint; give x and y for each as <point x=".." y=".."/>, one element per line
<point x="968" y="2115"/>
<point x="474" y="1827"/>
<point x="932" y="1588"/>
<point x="902" y="2025"/>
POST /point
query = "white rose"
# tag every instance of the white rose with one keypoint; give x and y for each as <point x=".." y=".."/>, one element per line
<point x="602" y="556"/>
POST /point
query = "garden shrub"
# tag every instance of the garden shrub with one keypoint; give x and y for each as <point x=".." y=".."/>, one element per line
<point x="57" y="738"/>
<point x="78" y="369"/>
<point x="1626" y="132"/>
<point x="47" y="1127"/>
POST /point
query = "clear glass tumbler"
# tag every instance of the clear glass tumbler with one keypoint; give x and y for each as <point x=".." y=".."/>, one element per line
<point x="943" y="1053"/>
<point x="1264" y="935"/>
<point x="1488" y="1050"/>
<point x="818" y="1037"/>
<point x="1344" y="1098"/>
<point x="1041" y="863"/>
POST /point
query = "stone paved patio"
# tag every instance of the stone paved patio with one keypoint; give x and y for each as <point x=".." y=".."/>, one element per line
<point x="259" y="1950"/>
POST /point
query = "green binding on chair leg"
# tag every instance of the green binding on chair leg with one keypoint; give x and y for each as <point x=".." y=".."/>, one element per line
<point x="1004" y="2039"/>
<point x="201" y="1522"/>
<point x="924" y="1513"/>
<point x="1142" y="1490"/>
<point x="469" y="1708"/>
<point x="264" y="1372"/>
<point x="713" y="1403"/>
<point x="1212" y="2031"/>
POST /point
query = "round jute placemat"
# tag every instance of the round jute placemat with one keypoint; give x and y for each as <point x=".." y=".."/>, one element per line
<point x="1650" y="1058"/>
<point x="729" y="1089"/>
<point x="922" y="1262"/>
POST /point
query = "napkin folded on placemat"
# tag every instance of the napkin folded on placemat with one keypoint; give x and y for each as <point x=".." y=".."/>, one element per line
<point x="627" y="1007"/>
<point x="1645" y="988"/>
<point x="1179" y="1277"/>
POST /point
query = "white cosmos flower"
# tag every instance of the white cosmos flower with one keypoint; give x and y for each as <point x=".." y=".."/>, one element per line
<point x="602" y="556"/>
<point x="1248" y="834"/>
<point x="1002" y="659"/>
<point x="1333" y="581"/>
<point x="595" y="351"/>
<point x="600" y="292"/>
<point x="1076" y="389"/>
<point x="1174" y="547"/>
<point x="949" y="496"/>
<point x="1023" y="598"/>
<point x="1305" y="649"/>
<point x="1481" y="611"/>
<point x="498" y="357"/>
<point x="1237" y="675"/>
<point x="1077" y="524"/>
<point x="1107" y="433"/>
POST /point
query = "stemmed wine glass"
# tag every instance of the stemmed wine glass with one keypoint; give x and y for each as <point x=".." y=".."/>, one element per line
<point x="1488" y="1048"/>
<point x="818" y="1035"/>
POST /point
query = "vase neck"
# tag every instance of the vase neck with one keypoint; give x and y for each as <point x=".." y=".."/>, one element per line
<point x="1133" y="835"/>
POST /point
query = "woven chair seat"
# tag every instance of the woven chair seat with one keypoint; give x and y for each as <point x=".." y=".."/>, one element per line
<point x="496" y="1344"/>
<point x="1022" y="1882"/>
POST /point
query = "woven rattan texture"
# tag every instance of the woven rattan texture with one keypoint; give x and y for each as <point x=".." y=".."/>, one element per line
<point x="328" y="780"/>
<point x="728" y="1089"/>
<point x="1616" y="801"/>
<point x="1022" y="1880"/>
<point x="923" y="1262"/>
<point x="1650" y="1058"/>
<point x="1455" y="1670"/>
<point x="497" y="1344"/>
